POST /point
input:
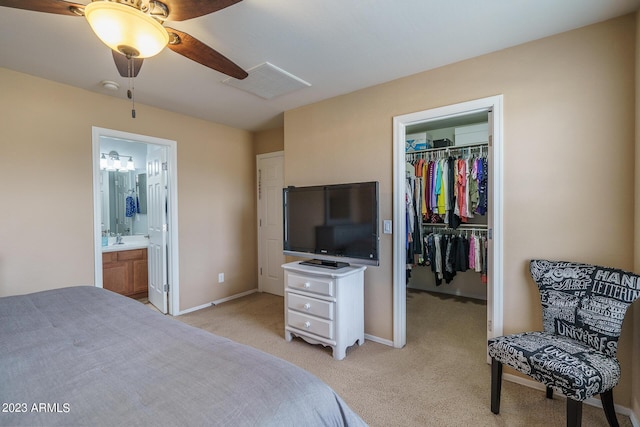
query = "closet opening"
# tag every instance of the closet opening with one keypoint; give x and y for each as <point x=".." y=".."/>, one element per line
<point x="446" y="192"/>
<point x="448" y="215"/>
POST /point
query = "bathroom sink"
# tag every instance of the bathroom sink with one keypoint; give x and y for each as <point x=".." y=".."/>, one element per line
<point x="128" y="243"/>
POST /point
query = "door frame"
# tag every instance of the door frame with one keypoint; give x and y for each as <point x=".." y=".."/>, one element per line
<point x="495" y="289"/>
<point x="261" y="255"/>
<point x="172" y="201"/>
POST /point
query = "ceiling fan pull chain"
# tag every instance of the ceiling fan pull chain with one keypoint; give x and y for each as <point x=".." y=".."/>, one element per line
<point x="130" y="66"/>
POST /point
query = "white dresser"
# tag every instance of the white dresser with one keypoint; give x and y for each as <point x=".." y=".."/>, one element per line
<point x="324" y="306"/>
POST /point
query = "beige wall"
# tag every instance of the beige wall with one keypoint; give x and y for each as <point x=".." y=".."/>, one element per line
<point x="568" y="150"/>
<point x="46" y="224"/>
<point x="268" y="141"/>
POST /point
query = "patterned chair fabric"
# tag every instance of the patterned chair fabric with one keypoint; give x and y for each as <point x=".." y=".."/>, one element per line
<point x="583" y="308"/>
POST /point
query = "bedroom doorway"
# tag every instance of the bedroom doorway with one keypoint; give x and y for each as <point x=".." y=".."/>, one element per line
<point x="493" y="107"/>
<point x="156" y="159"/>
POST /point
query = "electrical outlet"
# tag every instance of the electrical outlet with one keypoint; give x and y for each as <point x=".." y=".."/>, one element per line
<point x="220" y="277"/>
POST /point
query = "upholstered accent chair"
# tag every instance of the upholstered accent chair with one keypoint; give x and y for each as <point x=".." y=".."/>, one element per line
<point x="583" y="307"/>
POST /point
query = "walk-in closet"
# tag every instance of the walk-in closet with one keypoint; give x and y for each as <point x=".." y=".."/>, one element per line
<point x="447" y="206"/>
<point x="448" y="230"/>
<point x="448" y="243"/>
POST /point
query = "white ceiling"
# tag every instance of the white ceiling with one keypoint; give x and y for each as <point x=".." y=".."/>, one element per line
<point x="338" y="46"/>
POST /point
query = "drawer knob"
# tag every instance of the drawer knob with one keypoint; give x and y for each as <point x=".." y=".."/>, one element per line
<point x="307" y="285"/>
<point x="307" y="324"/>
<point x="307" y="306"/>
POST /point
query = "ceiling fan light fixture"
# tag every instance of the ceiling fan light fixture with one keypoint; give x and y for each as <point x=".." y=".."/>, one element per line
<point x="126" y="29"/>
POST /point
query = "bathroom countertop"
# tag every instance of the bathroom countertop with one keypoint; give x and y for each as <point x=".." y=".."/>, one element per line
<point x="129" y="243"/>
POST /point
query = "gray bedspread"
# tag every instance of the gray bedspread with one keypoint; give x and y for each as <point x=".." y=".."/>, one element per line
<point x="85" y="356"/>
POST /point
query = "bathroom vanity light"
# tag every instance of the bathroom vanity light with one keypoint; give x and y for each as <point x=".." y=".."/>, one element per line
<point x="112" y="162"/>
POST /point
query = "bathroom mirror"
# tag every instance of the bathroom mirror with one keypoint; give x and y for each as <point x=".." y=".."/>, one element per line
<point x="124" y="202"/>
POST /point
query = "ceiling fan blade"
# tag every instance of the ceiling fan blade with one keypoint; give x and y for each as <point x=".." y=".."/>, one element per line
<point x="181" y="10"/>
<point x="49" y="6"/>
<point x="194" y="49"/>
<point x="122" y="64"/>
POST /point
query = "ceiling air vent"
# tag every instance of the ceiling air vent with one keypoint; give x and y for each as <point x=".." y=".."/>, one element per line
<point x="268" y="81"/>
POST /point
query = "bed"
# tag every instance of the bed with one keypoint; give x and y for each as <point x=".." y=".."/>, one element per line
<point x="87" y="356"/>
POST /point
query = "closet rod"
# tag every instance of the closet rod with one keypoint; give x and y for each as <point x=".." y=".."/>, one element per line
<point x="465" y="226"/>
<point x="450" y="148"/>
<point x="458" y="230"/>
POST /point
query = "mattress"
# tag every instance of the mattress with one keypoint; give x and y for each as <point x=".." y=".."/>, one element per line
<point x="86" y="356"/>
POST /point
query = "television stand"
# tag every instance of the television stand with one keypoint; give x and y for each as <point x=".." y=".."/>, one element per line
<point x="323" y="306"/>
<point x="334" y="265"/>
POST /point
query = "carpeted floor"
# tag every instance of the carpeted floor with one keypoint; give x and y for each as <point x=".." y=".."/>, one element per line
<point x="440" y="378"/>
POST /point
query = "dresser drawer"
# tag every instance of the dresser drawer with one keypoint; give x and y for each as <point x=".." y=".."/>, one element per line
<point x="317" y="285"/>
<point x="314" y="325"/>
<point x="311" y="305"/>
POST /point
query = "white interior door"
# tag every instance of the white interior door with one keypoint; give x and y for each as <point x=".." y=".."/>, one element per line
<point x="157" y="217"/>
<point x="270" y="256"/>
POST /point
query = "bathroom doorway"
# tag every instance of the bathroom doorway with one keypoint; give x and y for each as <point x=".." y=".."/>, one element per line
<point x="133" y="214"/>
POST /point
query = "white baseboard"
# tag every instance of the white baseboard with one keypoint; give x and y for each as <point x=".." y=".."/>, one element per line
<point x="216" y="302"/>
<point x="591" y="401"/>
<point x="378" y="340"/>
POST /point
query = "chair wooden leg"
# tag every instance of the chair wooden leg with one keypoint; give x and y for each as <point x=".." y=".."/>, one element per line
<point x="574" y="413"/>
<point x="607" y="404"/>
<point x="496" y="385"/>
<point x="549" y="393"/>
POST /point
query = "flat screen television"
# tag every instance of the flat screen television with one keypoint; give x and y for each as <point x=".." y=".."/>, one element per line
<point x="334" y="225"/>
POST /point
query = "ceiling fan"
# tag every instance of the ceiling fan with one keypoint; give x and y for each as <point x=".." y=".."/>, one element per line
<point x="143" y="32"/>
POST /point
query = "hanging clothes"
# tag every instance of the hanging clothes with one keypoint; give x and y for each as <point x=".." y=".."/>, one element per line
<point x="441" y="188"/>
<point x="454" y="188"/>
<point x="483" y="167"/>
<point x="450" y="253"/>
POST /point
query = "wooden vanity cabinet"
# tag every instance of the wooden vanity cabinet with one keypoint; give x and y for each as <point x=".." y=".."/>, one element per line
<point x="126" y="273"/>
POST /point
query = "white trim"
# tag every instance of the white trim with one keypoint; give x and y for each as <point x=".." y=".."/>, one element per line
<point x="172" y="155"/>
<point x="592" y="401"/>
<point x="216" y="302"/>
<point x="399" y="233"/>
<point x="496" y="172"/>
<point x="399" y="210"/>
<point x="378" y="340"/>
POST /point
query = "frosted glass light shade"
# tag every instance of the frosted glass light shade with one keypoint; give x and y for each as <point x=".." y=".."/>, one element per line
<point x="126" y="29"/>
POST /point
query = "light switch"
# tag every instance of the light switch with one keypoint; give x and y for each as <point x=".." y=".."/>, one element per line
<point x="388" y="226"/>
